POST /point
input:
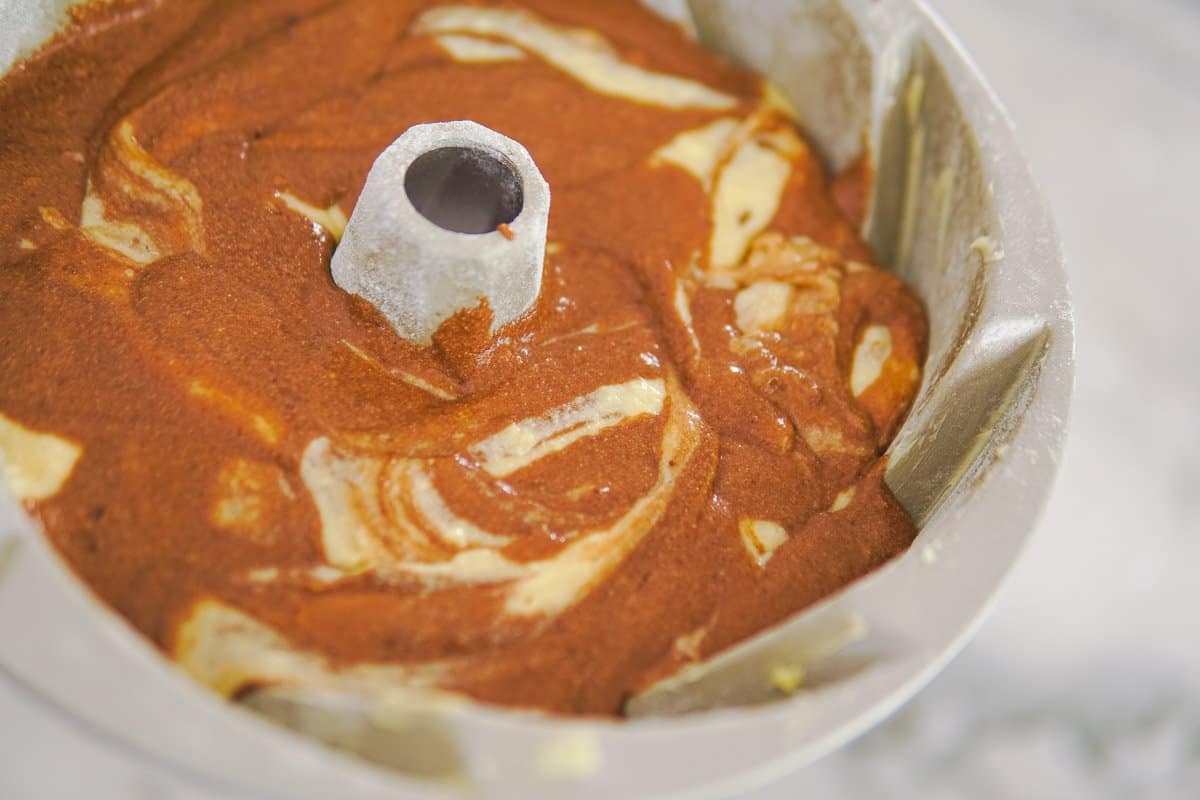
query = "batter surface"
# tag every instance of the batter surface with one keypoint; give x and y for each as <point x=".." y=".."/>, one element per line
<point x="680" y="446"/>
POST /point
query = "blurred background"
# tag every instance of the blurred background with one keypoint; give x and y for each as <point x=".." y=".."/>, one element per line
<point x="1085" y="683"/>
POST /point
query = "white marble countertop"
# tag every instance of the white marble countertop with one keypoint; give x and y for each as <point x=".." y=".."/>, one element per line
<point x="1086" y="681"/>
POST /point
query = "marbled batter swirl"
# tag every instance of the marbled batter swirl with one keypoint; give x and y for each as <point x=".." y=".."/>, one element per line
<point x="680" y="446"/>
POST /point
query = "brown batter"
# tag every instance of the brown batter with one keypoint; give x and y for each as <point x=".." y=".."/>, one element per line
<point x="675" y="450"/>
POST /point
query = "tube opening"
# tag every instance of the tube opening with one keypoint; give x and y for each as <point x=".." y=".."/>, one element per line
<point x="465" y="190"/>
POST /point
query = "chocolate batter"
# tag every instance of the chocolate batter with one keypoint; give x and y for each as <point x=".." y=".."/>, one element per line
<point x="680" y="446"/>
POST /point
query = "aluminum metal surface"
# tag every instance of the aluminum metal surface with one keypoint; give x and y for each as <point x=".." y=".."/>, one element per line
<point x="418" y="272"/>
<point x="957" y="214"/>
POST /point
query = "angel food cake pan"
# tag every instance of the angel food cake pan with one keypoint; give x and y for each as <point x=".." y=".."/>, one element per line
<point x="493" y="477"/>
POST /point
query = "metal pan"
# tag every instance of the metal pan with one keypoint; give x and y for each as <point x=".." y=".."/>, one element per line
<point x="957" y="214"/>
